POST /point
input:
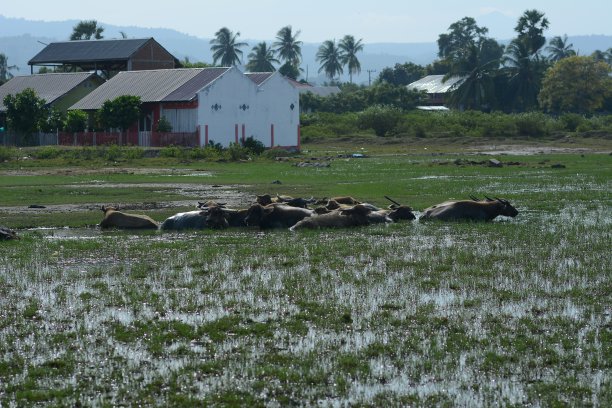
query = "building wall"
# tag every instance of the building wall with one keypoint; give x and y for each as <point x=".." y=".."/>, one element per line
<point x="226" y="109"/>
<point x="151" y="56"/>
<point x="278" y="104"/>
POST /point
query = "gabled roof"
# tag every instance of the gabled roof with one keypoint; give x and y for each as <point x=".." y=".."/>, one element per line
<point x="162" y="85"/>
<point x="49" y="87"/>
<point x="88" y="51"/>
<point x="259" y="77"/>
<point x="436" y="84"/>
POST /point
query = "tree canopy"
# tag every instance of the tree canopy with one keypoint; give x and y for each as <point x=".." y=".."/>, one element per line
<point x="226" y="48"/>
<point x="330" y="57"/>
<point x="576" y="84"/>
<point x="121" y="112"/>
<point x="5" y="69"/>
<point x="349" y="47"/>
<point x="261" y="59"/>
<point x="86" y="30"/>
<point x="25" y="111"/>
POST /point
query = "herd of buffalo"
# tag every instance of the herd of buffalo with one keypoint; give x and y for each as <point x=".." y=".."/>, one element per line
<point x="298" y="213"/>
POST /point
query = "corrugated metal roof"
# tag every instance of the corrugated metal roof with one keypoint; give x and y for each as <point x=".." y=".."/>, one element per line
<point x="88" y="50"/>
<point x="152" y="86"/>
<point x="435" y="84"/>
<point x="188" y="91"/>
<point x="47" y="86"/>
<point x="259" y="77"/>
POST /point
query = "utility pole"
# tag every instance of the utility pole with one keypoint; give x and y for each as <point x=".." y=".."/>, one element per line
<point x="370" y="76"/>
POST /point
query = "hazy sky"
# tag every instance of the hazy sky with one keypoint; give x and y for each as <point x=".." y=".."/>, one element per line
<point x="319" y="20"/>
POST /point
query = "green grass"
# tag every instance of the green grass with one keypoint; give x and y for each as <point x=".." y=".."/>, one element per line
<point x="513" y="312"/>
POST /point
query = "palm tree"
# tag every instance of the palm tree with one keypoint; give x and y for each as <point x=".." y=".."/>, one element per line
<point x="85" y="30"/>
<point x="349" y="48"/>
<point x="530" y="27"/>
<point x="261" y="59"/>
<point x="5" y="69"/>
<point x="331" y="59"/>
<point x="524" y="72"/>
<point x="478" y="68"/>
<point x="225" y="48"/>
<point x="558" y="48"/>
<point x="287" y="47"/>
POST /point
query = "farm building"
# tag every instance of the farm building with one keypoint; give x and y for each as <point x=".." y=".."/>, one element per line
<point x="436" y="88"/>
<point x="203" y="105"/>
<point x="58" y="90"/>
<point x="108" y="56"/>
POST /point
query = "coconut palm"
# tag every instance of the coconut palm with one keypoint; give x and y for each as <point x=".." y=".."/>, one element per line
<point x="558" y="48"/>
<point x="331" y="59"/>
<point x="226" y="48"/>
<point x="524" y="72"/>
<point x="5" y="69"/>
<point x="261" y="59"/>
<point x="349" y="48"/>
<point x="287" y="47"/>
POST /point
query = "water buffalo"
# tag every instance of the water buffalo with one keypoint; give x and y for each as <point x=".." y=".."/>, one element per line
<point x="475" y="210"/>
<point x="113" y="218"/>
<point x="186" y="220"/>
<point x="275" y="215"/>
<point x="7" y="233"/>
<point x="349" y="217"/>
<point x="393" y="214"/>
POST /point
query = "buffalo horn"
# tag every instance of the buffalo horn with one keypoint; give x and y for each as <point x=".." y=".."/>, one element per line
<point x="392" y="200"/>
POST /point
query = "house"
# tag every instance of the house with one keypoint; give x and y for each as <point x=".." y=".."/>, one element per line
<point x="59" y="90"/>
<point x="106" y="55"/>
<point x="203" y="105"/>
<point x="277" y="108"/>
<point x="436" y="88"/>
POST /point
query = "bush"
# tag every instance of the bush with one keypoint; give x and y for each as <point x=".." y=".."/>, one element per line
<point x="112" y="153"/>
<point x="531" y="124"/>
<point x="571" y="121"/>
<point x="47" y="152"/>
<point x="380" y="118"/>
<point x="76" y="121"/>
<point x="163" y="125"/>
<point x="236" y="152"/>
<point x="254" y="145"/>
<point x="171" y="151"/>
<point x="7" y="153"/>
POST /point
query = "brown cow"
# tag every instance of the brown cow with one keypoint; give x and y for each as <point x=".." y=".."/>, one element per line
<point x="275" y="215"/>
<point x="113" y="218"/>
<point x="349" y="217"/>
<point x="482" y="210"/>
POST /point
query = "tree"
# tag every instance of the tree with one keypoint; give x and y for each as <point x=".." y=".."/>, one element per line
<point x="287" y="46"/>
<point x="524" y="72"/>
<point x="461" y="37"/>
<point x="289" y="70"/>
<point x="226" y="48"/>
<point x="186" y="63"/>
<point x="261" y="59"/>
<point x="349" y="49"/>
<point x="5" y="69"/>
<point x="401" y="74"/>
<point x="76" y="121"/>
<point x="576" y="84"/>
<point x="530" y="28"/>
<point x="479" y="69"/>
<point x="121" y="112"/>
<point x="24" y="112"/>
<point x="330" y="58"/>
<point x="558" y="48"/>
<point x="85" y="30"/>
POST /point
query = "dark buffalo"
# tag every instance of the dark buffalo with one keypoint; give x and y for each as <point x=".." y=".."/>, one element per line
<point x="350" y="217"/>
<point x="475" y="210"/>
<point x="113" y="218"/>
<point x="395" y="214"/>
<point x="7" y="233"/>
<point x="275" y="215"/>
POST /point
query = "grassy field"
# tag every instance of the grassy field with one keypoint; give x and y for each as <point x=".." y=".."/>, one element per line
<point x="515" y="312"/>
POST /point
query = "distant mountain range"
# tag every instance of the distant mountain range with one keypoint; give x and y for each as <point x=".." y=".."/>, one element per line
<point x="21" y="39"/>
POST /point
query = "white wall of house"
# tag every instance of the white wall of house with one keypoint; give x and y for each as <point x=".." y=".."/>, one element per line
<point x="234" y="107"/>
<point x="278" y="105"/>
<point x="225" y="108"/>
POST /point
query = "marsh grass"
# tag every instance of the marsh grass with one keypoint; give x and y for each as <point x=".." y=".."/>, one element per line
<point x="512" y="313"/>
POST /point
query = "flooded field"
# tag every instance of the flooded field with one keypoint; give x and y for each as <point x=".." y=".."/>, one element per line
<point x="507" y="313"/>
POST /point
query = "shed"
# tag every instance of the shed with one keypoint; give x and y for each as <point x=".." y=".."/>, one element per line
<point x="106" y="55"/>
<point x="60" y="90"/>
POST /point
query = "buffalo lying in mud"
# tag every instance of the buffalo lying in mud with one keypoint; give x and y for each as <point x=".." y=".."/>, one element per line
<point x="185" y="220"/>
<point x="113" y="218"/>
<point x="275" y="215"/>
<point x="474" y="210"/>
<point x="7" y="233"/>
<point x="348" y="217"/>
